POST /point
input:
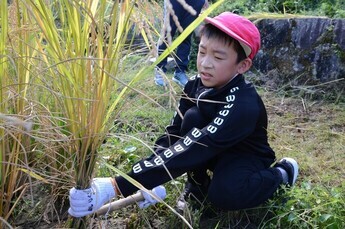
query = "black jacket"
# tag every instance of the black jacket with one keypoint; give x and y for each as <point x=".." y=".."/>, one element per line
<point x="236" y="122"/>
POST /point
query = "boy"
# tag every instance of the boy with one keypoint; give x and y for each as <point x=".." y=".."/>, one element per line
<point x="223" y="130"/>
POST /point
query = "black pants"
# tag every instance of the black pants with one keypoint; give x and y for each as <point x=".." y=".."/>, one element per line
<point x="239" y="181"/>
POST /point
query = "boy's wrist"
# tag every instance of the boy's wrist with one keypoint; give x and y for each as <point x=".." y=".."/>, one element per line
<point x="115" y="186"/>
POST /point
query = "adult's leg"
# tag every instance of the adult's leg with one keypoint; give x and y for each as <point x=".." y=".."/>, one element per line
<point x="163" y="40"/>
<point x="185" y="19"/>
<point x="242" y="181"/>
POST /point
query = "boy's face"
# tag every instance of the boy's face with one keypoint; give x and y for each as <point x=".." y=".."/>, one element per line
<point x="216" y="62"/>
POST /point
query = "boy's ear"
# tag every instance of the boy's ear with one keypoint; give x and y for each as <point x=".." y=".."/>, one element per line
<point x="244" y="65"/>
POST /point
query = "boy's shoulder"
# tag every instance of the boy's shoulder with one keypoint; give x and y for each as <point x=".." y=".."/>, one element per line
<point x="192" y="84"/>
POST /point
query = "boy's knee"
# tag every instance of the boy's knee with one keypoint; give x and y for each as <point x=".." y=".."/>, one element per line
<point x="192" y="118"/>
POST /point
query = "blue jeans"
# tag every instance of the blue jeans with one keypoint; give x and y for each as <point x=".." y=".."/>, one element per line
<point x="185" y="19"/>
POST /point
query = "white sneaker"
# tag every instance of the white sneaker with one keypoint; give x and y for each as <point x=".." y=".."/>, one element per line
<point x="291" y="167"/>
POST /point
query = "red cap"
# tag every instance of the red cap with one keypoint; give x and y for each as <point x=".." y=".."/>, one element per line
<point x="239" y="28"/>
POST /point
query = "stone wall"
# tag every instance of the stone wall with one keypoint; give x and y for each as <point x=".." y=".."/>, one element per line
<point x="302" y="51"/>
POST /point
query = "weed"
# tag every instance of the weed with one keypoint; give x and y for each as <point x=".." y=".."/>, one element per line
<point x="308" y="206"/>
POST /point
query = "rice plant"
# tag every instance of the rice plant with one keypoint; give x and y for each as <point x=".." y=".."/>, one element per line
<point x="63" y="66"/>
<point x="15" y="140"/>
<point x="82" y="55"/>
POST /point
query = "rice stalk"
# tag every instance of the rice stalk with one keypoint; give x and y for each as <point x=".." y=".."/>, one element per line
<point x="15" y="143"/>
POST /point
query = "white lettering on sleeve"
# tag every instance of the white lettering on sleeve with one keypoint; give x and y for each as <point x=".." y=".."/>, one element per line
<point x="158" y="160"/>
<point x="196" y="133"/>
<point x="137" y="168"/>
<point x="178" y="148"/>
<point x="168" y="153"/>
<point x="218" y="121"/>
<point x="148" y="164"/>
<point x="228" y="106"/>
<point x="224" y="112"/>
<point x="187" y="141"/>
<point x="230" y="98"/>
<point x="211" y="129"/>
<point x="232" y="90"/>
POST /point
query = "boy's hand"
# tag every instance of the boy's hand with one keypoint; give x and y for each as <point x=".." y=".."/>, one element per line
<point x="159" y="191"/>
<point x="87" y="201"/>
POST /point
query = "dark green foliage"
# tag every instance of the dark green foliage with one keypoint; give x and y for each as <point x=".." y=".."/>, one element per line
<point x="330" y="8"/>
<point x="310" y="206"/>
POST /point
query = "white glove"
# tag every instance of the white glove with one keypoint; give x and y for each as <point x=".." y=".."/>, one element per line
<point x="158" y="191"/>
<point x="87" y="201"/>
